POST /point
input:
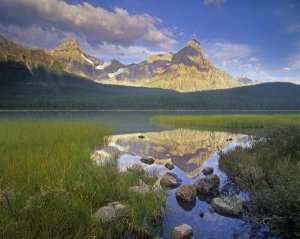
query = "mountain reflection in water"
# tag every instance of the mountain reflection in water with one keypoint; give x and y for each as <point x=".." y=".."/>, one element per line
<point x="185" y="148"/>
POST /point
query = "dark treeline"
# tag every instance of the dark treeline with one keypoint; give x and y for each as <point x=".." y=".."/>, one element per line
<point x="20" y="89"/>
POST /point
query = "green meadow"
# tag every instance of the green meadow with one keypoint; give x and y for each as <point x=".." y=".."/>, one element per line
<point x="49" y="187"/>
<point x="229" y="122"/>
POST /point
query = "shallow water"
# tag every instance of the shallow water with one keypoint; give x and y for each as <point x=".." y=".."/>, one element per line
<point x="189" y="151"/>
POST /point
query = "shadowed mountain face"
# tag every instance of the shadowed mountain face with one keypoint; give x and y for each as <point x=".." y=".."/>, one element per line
<point x="29" y="59"/>
<point x="185" y="148"/>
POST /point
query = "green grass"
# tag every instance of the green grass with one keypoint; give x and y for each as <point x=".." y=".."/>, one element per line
<point x="230" y="122"/>
<point x="49" y="187"/>
<point x="270" y="171"/>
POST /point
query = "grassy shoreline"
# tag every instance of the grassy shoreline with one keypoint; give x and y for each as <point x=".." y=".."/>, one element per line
<point x="228" y="122"/>
<point x="49" y="187"/>
<point x="269" y="171"/>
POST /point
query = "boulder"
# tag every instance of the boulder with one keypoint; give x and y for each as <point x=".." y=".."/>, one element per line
<point x="229" y="206"/>
<point x="147" y="160"/>
<point x="169" y="166"/>
<point x="170" y="180"/>
<point x="208" y="185"/>
<point x="108" y="212"/>
<point x="207" y="171"/>
<point x="182" y="231"/>
<point x="142" y="190"/>
<point x="186" y="193"/>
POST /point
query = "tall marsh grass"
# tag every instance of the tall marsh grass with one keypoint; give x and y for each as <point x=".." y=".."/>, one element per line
<point x="240" y="121"/>
<point x="49" y="187"/>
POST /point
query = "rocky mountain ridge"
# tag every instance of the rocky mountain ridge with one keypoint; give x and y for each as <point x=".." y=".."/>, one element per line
<point x="187" y="70"/>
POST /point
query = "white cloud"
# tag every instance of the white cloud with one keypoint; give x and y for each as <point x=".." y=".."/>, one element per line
<point x="226" y="51"/>
<point x="253" y="59"/>
<point x="217" y="3"/>
<point x="293" y="27"/>
<point x="33" y="36"/>
<point x="96" y="24"/>
<point x="128" y="54"/>
<point x="286" y="68"/>
<point x="294" y="59"/>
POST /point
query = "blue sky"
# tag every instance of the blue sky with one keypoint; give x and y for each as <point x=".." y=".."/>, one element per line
<point x="259" y="39"/>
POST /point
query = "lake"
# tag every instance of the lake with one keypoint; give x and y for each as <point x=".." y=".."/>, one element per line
<point x="189" y="150"/>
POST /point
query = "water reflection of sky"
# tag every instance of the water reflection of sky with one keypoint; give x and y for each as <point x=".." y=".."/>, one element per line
<point x="190" y="151"/>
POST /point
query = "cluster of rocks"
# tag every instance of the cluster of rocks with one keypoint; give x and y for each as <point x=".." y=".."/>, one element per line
<point x="207" y="187"/>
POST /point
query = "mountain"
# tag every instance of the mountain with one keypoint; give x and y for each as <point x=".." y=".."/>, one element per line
<point x="246" y="81"/>
<point x="35" y="79"/>
<point x="28" y="64"/>
<point x="185" y="71"/>
<point x="76" y="61"/>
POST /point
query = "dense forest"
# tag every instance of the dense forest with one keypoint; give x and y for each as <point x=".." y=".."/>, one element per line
<point x="41" y="89"/>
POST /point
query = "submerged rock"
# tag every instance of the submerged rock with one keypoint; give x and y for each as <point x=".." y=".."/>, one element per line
<point x="108" y="212"/>
<point x="186" y="193"/>
<point x="182" y="231"/>
<point x="201" y="214"/>
<point x="147" y="160"/>
<point x="169" y="166"/>
<point x="229" y="206"/>
<point x="207" y="171"/>
<point x="170" y="180"/>
<point x="186" y="206"/>
<point x="208" y="185"/>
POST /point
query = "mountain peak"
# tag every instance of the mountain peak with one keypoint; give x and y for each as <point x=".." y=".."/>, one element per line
<point x="193" y="43"/>
<point x="69" y="44"/>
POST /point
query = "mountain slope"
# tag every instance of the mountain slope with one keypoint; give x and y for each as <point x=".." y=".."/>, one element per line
<point x="185" y="71"/>
<point x="76" y="61"/>
<point x="34" y="64"/>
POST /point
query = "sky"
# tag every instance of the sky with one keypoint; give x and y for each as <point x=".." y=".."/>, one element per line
<point x="258" y="39"/>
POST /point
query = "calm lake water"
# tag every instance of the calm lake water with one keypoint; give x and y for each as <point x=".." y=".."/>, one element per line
<point x="188" y="150"/>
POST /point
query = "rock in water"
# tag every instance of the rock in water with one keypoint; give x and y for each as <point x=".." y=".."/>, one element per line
<point x="201" y="214"/>
<point x="182" y="231"/>
<point x="108" y="212"/>
<point x="186" y="193"/>
<point x="207" y="171"/>
<point x="170" y="180"/>
<point x="169" y="166"/>
<point x="208" y="185"/>
<point x="229" y="206"/>
<point x="147" y="160"/>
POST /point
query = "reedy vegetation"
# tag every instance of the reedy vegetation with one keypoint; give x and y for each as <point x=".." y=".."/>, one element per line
<point x="49" y="187"/>
<point x="270" y="170"/>
<point x="231" y="122"/>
